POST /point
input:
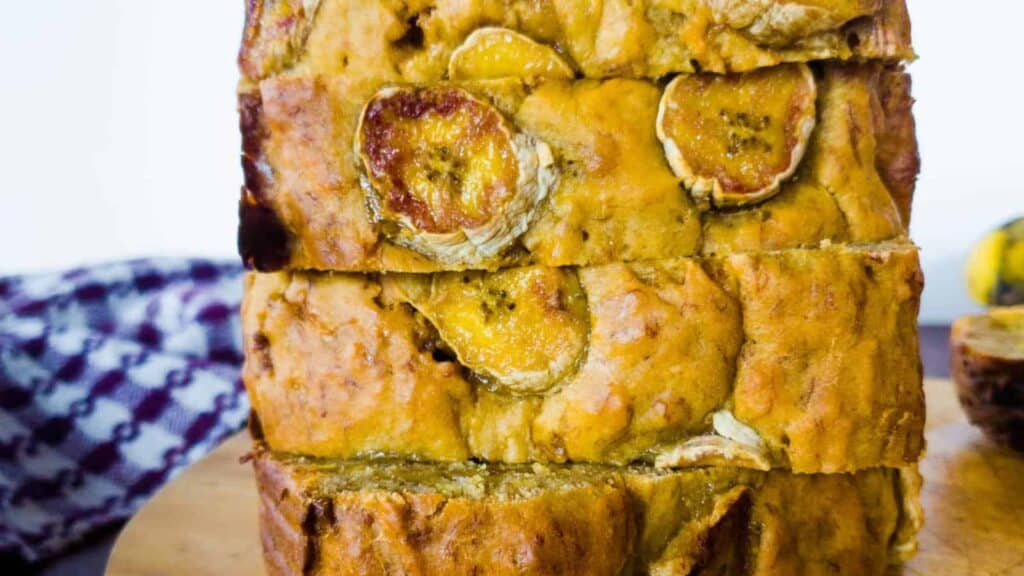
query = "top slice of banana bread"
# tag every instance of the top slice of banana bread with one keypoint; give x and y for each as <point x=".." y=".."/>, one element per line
<point x="415" y="40"/>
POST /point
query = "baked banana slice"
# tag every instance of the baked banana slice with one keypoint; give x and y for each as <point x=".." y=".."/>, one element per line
<point x="734" y="138"/>
<point x="446" y="173"/>
<point x="503" y="53"/>
<point x="732" y="444"/>
<point x="521" y="329"/>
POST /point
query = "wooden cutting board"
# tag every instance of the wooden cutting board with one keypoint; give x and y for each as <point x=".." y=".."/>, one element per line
<point x="204" y="522"/>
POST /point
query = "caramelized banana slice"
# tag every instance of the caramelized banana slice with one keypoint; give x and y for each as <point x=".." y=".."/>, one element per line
<point x="521" y="329"/>
<point x="447" y="175"/>
<point x="503" y="53"/>
<point x="735" y="137"/>
<point x="710" y="450"/>
<point x="733" y="444"/>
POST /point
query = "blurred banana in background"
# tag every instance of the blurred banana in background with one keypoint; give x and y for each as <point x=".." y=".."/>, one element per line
<point x="995" y="268"/>
<point x="987" y="350"/>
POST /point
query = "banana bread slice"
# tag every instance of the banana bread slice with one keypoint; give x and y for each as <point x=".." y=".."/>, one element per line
<point x="988" y="368"/>
<point x="330" y="518"/>
<point x="598" y="39"/>
<point x="802" y="359"/>
<point x="356" y="174"/>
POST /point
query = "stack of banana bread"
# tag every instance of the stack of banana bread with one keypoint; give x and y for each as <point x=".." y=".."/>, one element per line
<point x="581" y="288"/>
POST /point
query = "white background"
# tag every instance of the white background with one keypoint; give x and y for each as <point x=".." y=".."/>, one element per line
<point x="118" y="132"/>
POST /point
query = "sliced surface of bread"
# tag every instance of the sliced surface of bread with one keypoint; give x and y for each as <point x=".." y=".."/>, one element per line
<point x="332" y="518"/>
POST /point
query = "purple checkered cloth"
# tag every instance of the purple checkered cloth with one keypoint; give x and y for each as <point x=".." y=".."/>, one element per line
<point x="112" y="380"/>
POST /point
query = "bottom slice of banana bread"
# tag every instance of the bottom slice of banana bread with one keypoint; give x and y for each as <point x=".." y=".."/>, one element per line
<point x="330" y="517"/>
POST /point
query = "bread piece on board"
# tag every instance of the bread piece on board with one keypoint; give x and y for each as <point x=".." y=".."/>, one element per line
<point x="988" y="368"/>
<point x="324" y="518"/>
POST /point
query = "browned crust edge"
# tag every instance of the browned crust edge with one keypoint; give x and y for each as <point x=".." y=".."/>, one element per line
<point x="897" y="158"/>
<point x="275" y="32"/>
<point x="884" y="36"/>
<point x="264" y="242"/>
<point x="305" y="533"/>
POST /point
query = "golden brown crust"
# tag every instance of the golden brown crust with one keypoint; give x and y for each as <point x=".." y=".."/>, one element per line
<point x="602" y="39"/>
<point x="804" y="359"/>
<point x="274" y="36"/>
<point x="330" y="519"/>
<point x="857" y="176"/>
<point x="615" y="198"/>
<point x="815" y="361"/>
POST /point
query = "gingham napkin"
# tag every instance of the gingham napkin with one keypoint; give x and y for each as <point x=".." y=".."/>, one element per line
<point x="112" y="379"/>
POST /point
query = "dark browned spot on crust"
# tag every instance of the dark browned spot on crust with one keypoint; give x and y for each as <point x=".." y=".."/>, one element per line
<point x="311" y="534"/>
<point x="255" y="426"/>
<point x="852" y="40"/>
<point x="652" y="328"/>
<point x="443" y="355"/>
<point x="428" y="340"/>
<point x="250" y="111"/>
<point x="254" y="132"/>
<point x="724" y="548"/>
<point x="413" y="37"/>
<point x="326" y="509"/>
<point x="263" y="241"/>
<point x="897" y="157"/>
<point x="261" y="350"/>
